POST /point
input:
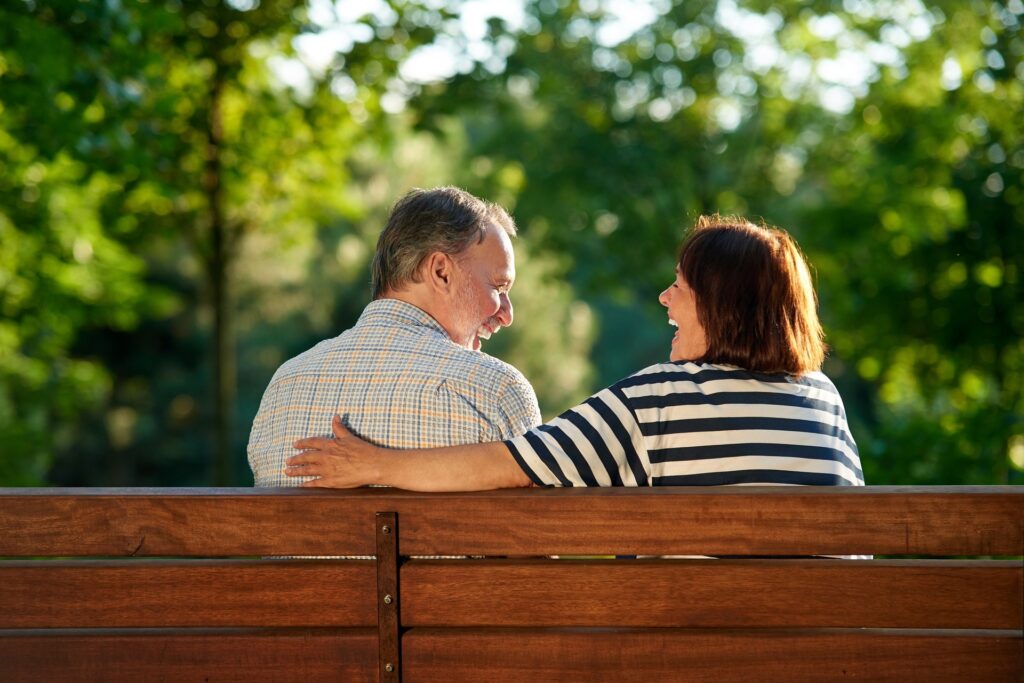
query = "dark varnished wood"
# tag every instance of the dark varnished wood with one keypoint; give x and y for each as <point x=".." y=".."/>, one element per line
<point x="187" y="656"/>
<point x="706" y="521"/>
<point x="389" y="659"/>
<point x="166" y="593"/>
<point x="641" y="656"/>
<point x="713" y="593"/>
<point x="731" y="595"/>
<point x="184" y="522"/>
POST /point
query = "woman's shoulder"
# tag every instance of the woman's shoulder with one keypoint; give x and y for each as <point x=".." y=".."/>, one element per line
<point x="676" y="372"/>
<point x="816" y="379"/>
<point x="715" y="376"/>
<point x="661" y="372"/>
<point x="708" y="371"/>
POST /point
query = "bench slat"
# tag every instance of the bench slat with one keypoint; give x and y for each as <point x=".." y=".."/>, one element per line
<point x="163" y="593"/>
<point x="181" y="522"/>
<point x="726" y="521"/>
<point x="641" y="656"/>
<point x="714" y="593"/>
<point x="238" y="656"/>
<point x="697" y="521"/>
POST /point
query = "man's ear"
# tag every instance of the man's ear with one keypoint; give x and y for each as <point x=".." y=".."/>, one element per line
<point x="438" y="271"/>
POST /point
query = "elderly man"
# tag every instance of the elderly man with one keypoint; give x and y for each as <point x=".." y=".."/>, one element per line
<point x="410" y="374"/>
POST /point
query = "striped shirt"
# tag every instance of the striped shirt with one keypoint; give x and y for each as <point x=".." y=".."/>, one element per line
<point x="684" y="424"/>
<point x="398" y="380"/>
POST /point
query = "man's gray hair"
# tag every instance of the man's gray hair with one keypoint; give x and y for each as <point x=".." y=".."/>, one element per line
<point x="444" y="219"/>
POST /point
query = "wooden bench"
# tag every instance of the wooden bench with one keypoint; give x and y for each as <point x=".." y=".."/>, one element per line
<point x="169" y="584"/>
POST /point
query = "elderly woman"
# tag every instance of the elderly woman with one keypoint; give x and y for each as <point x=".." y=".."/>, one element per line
<point x="743" y="400"/>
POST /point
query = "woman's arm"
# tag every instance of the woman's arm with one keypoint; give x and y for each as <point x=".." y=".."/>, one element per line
<point x="347" y="461"/>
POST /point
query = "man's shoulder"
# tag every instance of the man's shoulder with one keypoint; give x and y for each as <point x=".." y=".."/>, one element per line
<point x="501" y="392"/>
<point x="493" y="371"/>
<point x="310" y="359"/>
<point x="402" y="349"/>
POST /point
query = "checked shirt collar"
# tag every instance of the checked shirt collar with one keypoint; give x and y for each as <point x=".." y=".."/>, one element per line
<point x="395" y="312"/>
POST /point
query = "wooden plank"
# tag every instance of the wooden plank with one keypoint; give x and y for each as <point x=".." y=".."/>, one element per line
<point x="235" y="656"/>
<point x="641" y="656"/>
<point x="651" y="521"/>
<point x="182" y="522"/>
<point x="724" y="521"/>
<point x="389" y="658"/>
<point x="714" y="593"/>
<point x="165" y="593"/>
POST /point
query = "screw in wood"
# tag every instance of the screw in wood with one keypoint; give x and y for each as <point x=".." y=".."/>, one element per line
<point x="386" y="529"/>
<point x="388" y="599"/>
<point x="389" y="667"/>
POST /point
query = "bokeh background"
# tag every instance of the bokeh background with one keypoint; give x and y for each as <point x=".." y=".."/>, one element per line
<point x="190" y="192"/>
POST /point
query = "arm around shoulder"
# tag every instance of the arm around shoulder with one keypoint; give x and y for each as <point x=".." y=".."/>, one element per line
<point x="347" y="461"/>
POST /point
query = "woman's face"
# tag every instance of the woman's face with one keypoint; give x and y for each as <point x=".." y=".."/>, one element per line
<point x="689" y="342"/>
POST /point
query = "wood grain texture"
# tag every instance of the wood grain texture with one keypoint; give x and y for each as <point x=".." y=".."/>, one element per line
<point x="237" y="656"/>
<point x="641" y="656"/>
<point x="183" y="522"/>
<point x="652" y="521"/>
<point x="714" y="593"/>
<point x="166" y="593"/>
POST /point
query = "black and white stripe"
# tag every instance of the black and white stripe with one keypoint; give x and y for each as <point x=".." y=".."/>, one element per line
<point x="683" y="424"/>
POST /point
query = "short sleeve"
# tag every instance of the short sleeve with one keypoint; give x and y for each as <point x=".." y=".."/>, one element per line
<point x="516" y="407"/>
<point x="260" y="449"/>
<point x="597" y="443"/>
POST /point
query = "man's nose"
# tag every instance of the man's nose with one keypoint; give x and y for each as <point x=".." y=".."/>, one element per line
<point x="504" y="314"/>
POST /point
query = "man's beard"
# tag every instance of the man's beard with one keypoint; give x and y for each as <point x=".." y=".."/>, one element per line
<point x="467" y="320"/>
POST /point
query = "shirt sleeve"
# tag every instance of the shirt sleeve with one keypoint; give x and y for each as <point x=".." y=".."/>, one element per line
<point x="269" y="444"/>
<point x="259" y="448"/>
<point x="516" y="408"/>
<point x="597" y="443"/>
<point x="847" y="444"/>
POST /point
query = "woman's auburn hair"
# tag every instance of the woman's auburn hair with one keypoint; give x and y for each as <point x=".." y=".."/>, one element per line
<point x="754" y="296"/>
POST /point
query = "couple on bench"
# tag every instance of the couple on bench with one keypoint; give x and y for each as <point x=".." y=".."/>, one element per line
<point x="741" y="401"/>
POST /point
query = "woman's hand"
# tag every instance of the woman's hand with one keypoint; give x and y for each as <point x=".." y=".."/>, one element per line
<point x="344" y="462"/>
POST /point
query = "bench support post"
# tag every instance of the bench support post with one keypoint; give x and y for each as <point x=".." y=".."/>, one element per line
<point x="389" y="655"/>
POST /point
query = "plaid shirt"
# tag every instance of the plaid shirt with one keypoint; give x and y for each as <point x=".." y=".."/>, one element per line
<point x="397" y="379"/>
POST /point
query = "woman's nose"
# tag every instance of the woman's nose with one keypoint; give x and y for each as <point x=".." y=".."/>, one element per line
<point x="663" y="297"/>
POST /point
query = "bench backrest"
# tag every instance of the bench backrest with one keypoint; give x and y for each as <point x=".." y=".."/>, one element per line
<point x="180" y="584"/>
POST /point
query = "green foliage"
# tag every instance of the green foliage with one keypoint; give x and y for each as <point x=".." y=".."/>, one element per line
<point x="161" y="185"/>
<point x="918" y="235"/>
<point x="905" y="190"/>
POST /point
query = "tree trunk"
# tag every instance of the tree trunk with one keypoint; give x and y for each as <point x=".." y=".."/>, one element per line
<point x="219" y="264"/>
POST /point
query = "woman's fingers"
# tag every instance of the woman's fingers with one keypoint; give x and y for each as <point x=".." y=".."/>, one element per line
<point x="299" y="470"/>
<point x="303" y="470"/>
<point x="321" y="443"/>
<point x="339" y="429"/>
<point x="329" y="460"/>
<point x="312" y="443"/>
<point x="304" y="458"/>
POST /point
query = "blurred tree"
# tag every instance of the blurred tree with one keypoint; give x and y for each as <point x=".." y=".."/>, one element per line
<point x="140" y="142"/>
<point x="885" y="136"/>
<point x="916" y="200"/>
<point x="229" y="160"/>
<point x="174" y="119"/>
<point x="63" y="266"/>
